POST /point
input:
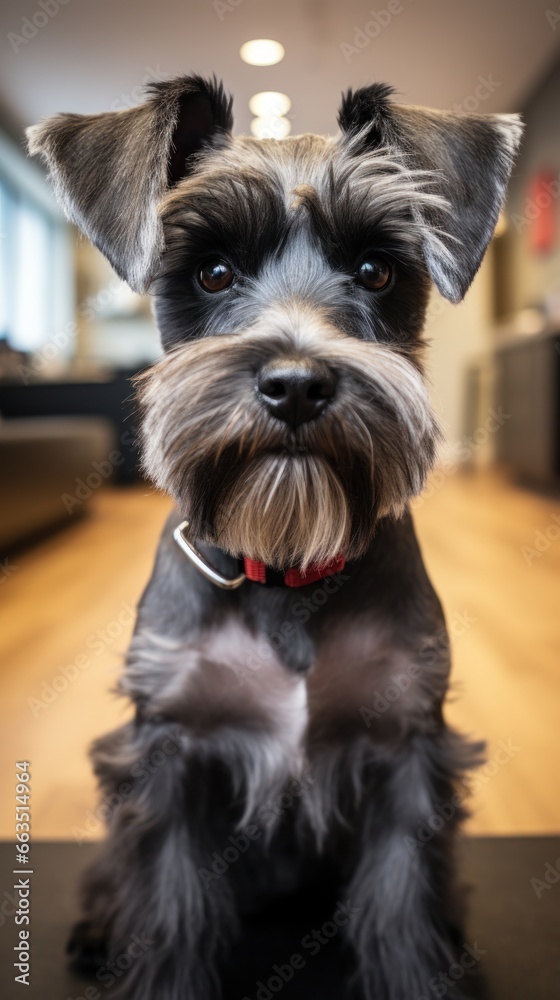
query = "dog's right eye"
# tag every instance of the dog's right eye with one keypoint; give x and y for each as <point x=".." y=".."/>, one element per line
<point x="375" y="274"/>
<point x="215" y="276"/>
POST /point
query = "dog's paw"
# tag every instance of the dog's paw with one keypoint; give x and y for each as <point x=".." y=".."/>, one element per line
<point x="86" y="946"/>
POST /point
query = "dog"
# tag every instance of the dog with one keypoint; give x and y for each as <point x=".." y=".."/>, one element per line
<point x="290" y="662"/>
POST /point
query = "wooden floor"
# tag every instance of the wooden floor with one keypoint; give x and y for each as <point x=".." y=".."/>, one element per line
<point x="68" y="616"/>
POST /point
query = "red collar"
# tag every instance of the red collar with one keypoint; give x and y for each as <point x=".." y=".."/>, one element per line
<point x="252" y="569"/>
<point x="259" y="572"/>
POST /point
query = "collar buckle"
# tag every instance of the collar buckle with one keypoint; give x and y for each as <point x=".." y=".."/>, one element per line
<point x="198" y="560"/>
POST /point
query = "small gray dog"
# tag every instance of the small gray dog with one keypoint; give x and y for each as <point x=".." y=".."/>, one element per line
<point x="289" y="663"/>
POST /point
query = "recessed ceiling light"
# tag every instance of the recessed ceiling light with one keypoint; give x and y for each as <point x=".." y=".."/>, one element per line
<point x="269" y="102"/>
<point x="262" y="52"/>
<point x="271" y="127"/>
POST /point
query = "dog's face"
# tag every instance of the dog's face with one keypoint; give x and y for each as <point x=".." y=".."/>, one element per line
<point x="289" y="411"/>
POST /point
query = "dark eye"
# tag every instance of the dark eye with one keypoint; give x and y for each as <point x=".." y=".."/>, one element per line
<point x="374" y="274"/>
<point x="215" y="275"/>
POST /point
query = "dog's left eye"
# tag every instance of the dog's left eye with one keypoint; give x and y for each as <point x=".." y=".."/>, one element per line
<point x="215" y="275"/>
<point x="374" y="273"/>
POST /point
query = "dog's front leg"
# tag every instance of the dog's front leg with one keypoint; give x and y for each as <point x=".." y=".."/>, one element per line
<point x="218" y="733"/>
<point x="143" y="897"/>
<point x="407" y="914"/>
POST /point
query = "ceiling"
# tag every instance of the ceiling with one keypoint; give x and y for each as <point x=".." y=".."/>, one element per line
<point x="93" y="55"/>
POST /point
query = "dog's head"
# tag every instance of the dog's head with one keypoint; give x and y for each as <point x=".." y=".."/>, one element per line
<point x="289" y="411"/>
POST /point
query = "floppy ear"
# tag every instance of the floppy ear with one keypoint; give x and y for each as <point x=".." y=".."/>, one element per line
<point x="471" y="157"/>
<point x="110" y="171"/>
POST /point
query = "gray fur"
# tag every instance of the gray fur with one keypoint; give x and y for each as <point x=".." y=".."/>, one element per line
<point x="264" y="512"/>
<point x="110" y="171"/>
<point x="470" y="158"/>
<point x="240" y="697"/>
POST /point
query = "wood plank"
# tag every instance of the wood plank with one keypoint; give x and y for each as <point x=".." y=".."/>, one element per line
<point x="71" y="596"/>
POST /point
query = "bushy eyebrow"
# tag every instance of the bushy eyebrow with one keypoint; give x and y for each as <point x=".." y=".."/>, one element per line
<point x="242" y="215"/>
<point x="349" y="221"/>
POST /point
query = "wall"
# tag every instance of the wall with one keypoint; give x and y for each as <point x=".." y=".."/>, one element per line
<point x="116" y="327"/>
<point x="511" y="278"/>
<point x="527" y="278"/>
<point x="458" y="336"/>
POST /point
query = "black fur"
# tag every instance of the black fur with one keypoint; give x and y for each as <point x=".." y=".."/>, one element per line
<point x="472" y="156"/>
<point x="264" y="713"/>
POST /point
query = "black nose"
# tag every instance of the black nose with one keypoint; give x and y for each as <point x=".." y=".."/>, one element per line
<point x="296" y="391"/>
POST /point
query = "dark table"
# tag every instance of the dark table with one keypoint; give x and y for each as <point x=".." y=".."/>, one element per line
<point x="514" y="918"/>
<point x="111" y="397"/>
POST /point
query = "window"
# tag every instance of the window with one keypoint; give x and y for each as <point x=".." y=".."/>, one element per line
<point x="27" y="278"/>
<point x="37" y="293"/>
<point x="6" y="292"/>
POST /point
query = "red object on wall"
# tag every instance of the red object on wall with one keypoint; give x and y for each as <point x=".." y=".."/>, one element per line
<point x="542" y="201"/>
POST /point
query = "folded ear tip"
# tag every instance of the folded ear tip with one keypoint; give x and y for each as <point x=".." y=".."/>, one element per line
<point x="34" y="137"/>
<point x="180" y="87"/>
<point x="45" y="136"/>
<point x="450" y="284"/>
<point x="360" y="107"/>
<point x="511" y="128"/>
<point x="377" y="92"/>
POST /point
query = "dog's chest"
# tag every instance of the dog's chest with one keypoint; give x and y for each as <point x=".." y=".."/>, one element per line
<point x="357" y="682"/>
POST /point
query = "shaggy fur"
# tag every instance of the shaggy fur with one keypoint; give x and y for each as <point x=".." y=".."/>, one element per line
<point x="313" y="718"/>
<point x="249" y="485"/>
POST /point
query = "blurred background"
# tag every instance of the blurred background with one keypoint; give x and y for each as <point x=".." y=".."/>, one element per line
<point x="78" y="527"/>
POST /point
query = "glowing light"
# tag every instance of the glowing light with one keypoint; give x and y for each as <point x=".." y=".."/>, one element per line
<point x="269" y="103"/>
<point x="262" y="52"/>
<point x="271" y="127"/>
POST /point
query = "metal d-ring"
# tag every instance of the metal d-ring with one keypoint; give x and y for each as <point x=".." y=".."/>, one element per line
<point x="199" y="561"/>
